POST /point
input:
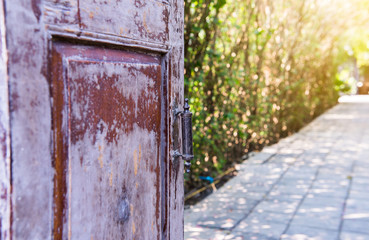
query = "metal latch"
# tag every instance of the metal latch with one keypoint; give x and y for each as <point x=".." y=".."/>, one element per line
<point x="187" y="145"/>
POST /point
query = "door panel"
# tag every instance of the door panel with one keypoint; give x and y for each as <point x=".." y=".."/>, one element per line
<point x="107" y="118"/>
<point x="150" y="18"/>
<point x="92" y="86"/>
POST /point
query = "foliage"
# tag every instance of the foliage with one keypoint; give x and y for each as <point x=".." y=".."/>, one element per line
<point x="258" y="70"/>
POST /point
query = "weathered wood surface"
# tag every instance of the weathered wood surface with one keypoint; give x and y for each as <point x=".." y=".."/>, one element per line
<point x="30" y="116"/>
<point x="175" y="85"/>
<point x="4" y="135"/>
<point x="107" y="121"/>
<point x="70" y="164"/>
<point x="144" y="20"/>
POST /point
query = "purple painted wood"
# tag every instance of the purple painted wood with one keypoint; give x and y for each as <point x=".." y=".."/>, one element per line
<point x="92" y="86"/>
<point x="5" y="188"/>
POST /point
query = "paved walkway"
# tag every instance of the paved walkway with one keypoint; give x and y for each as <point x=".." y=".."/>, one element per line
<point x="311" y="185"/>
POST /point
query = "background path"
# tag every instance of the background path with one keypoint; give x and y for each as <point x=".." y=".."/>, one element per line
<point x="311" y="185"/>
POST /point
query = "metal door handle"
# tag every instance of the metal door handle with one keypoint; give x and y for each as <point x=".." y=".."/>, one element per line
<point x="187" y="145"/>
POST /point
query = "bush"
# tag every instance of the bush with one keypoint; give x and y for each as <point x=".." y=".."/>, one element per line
<point x="256" y="71"/>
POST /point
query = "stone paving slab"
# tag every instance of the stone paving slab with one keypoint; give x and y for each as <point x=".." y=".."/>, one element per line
<point x="301" y="232"/>
<point x="353" y="236"/>
<point x="311" y="185"/>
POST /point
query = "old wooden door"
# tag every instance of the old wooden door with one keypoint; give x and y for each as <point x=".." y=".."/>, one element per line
<point x="87" y="129"/>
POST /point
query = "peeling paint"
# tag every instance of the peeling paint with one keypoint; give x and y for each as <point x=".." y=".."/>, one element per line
<point x="61" y="12"/>
<point x="138" y="79"/>
<point x="149" y="22"/>
<point x="122" y="126"/>
<point x="117" y="101"/>
<point x="30" y="116"/>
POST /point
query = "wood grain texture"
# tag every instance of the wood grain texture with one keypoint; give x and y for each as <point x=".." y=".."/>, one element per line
<point x="176" y="86"/>
<point x="145" y="20"/>
<point x="152" y="28"/>
<point x="30" y="116"/>
<point x="107" y="127"/>
<point x="4" y="135"/>
<point x="62" y="13"/>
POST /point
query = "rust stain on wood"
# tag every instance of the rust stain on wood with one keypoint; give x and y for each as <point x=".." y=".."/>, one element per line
<point x="135" y="161"/>
<point x="80" y="182"/>
<point x="144" y="23"/>
<point x="108" y="102"/>
<point x="111" y="179"/>
<point x="133" y="228"/>
<point x="100" y="158"/>
<point x="111" y="175"/>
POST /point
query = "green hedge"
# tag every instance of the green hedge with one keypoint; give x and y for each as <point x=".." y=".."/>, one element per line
<point x="255" y="71"/>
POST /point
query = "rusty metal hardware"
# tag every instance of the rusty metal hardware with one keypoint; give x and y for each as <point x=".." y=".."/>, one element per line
<point x="187" y="153"/>
<point x="187" y="145"/>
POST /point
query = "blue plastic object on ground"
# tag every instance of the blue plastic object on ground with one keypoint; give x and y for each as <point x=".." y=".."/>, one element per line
<point x="207" y="178"/>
